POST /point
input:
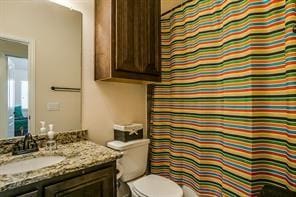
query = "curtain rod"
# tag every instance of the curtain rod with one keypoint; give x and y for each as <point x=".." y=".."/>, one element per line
<point x="183" y="3"/>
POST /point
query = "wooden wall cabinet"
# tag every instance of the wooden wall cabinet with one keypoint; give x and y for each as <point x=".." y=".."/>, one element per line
<point x="127" y="40"/>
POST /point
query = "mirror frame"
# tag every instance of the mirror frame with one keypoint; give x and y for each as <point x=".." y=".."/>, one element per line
<point x="31" y="68"/>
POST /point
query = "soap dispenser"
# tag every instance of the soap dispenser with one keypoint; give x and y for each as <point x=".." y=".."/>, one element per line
<point x="42" y="129"/>
<point x="51" y="143"/>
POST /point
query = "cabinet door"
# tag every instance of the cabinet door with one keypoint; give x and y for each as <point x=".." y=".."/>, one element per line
<point x="30" y="194"/>
<point x="138" y="36"/>
<point x="96" y="184"/>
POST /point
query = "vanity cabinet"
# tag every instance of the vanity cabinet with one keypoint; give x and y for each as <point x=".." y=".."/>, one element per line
<point x="29" y="194"/>
<point x="127" y="40"/>
<point x="97" y="181"/>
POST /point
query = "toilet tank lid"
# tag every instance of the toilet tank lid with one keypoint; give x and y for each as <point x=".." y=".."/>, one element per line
<point x="118" y="145"/>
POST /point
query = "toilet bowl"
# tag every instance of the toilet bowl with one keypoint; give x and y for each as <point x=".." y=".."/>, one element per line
<point x="119" y="169"/>
<point x="151" y="186"/>
<point x="123" y="189"/>
<point x="154" y="186"/>
<point x="132" y="166"/>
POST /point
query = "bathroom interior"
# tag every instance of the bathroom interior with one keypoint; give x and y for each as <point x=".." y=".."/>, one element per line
<point x="147" y="98"/>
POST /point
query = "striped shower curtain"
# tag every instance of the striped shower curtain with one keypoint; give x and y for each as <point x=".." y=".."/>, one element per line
<point x="224" y="117"/>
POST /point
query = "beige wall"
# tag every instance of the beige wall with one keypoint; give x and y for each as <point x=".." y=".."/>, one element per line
<point x="105" y="103"/>
<point x="57" y="34"/>
<point x="166" y="5"/>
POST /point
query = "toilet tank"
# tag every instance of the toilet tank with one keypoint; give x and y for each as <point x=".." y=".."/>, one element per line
<point x="134" y="160"/>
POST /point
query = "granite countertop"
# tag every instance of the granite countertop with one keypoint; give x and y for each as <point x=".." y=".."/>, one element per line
<point x="79" y="155"/>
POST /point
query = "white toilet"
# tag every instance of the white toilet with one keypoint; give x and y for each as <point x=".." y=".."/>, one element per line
<point x="132" y="167"/>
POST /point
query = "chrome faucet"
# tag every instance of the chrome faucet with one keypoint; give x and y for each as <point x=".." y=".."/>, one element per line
<point x="26" y="145"/>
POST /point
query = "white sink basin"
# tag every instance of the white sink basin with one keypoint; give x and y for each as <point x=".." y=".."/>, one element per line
<point x="25" y="165"/>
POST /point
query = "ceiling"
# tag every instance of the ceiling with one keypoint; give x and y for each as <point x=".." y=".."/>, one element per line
<point x="169" y="4"/>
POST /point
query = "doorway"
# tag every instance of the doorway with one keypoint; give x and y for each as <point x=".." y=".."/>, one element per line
<point x="14" y="88"/>
<point x="17" y="95"/>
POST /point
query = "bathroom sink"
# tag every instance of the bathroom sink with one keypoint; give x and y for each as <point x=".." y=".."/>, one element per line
<point x="26" y="165"/>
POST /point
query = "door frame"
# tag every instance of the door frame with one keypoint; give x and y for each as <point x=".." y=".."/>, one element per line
<point x="31" y="77"/>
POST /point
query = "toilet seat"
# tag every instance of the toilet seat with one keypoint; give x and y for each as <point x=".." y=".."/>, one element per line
<point x="156" y="186"/>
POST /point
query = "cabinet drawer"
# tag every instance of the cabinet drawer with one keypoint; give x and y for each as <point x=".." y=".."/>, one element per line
<point x="96" y="184"/>
<point x="30" y="194"/>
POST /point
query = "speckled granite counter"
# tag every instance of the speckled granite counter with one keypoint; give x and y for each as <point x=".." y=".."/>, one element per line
<point x="62" y="137"/>
<point x="79" y="155"/>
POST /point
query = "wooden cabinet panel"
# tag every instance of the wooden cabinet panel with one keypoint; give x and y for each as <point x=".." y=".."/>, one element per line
<point x="134" y="26"/>
<point x="29" y="194"/>
<point x="95" y="181"/>
<point x="131" y="35"/>
<point x="103" y="39"/>
<point x="154" y="64"/>
<point x="99" y="184"/>
<point x="135" y="36"/>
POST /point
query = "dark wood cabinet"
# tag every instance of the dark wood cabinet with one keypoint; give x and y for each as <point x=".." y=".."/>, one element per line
<point x="127" y="44"/>
<point x="97" y="181"/>
<point x="29" y="194"/>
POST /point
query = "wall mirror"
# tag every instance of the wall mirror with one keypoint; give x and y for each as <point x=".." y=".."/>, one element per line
<point x="40" y="66"/>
